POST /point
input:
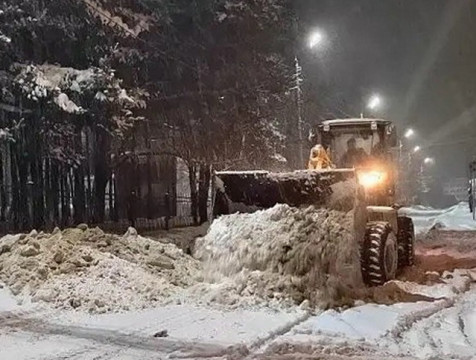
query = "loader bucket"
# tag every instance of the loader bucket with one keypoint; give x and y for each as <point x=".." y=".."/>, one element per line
<point x="249" y="191"/>
<point x="320" y="245"/>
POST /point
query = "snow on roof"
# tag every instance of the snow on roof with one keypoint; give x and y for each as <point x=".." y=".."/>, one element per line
<point x="297" y="173"/>
<point x="245" y="172"/>
<point x="356" y="121"/>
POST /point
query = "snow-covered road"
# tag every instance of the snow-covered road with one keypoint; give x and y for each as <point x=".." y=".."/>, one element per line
<point x="32" y="332"/>
<point x="424" y="330"/>
<point x="444" y="328"/>
<point x="456" y="218"/>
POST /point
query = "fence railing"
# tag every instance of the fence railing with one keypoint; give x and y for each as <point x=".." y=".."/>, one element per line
<point x="182" y="218"/>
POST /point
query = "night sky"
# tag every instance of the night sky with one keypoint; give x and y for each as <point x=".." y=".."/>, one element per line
<point x="420" y="55"/>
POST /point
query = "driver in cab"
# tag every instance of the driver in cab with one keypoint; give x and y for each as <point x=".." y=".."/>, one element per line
<point x="354" y="156"/>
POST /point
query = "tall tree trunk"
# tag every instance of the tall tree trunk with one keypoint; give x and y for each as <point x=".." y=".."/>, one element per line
<point x="47" y="194"/>
<point x="115" y="211"/>
<point x="111" y="198"/>
<point x="3" y="198"/>
<point x="89" y="191"/>
<point x="41" y="197"/>
<point x="55" y="193"/>
<point x="23" y="198"/>
<point x="78" y="194"/>
<point x="203" y="191"/>
<point x="37" y="192"/>
<point x="14" y="216"/>
<point x="192" y="176"/>
<point x="101" y="175"/>
<point x="8" y="173"/>
<point x="65" y="197"/>
<point x="62" y="196"/>
<point x="70" y="194"/>
<point x="149" y="174"/>
<point x="79" y="199"/>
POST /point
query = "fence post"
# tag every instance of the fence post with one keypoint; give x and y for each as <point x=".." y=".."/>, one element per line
<point x="167" y="210"/>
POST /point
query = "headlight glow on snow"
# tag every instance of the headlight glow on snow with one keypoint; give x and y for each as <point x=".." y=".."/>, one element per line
<point x="370" y="179"/>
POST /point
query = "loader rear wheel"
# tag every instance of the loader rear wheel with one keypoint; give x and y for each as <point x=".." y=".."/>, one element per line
<point x="379" y="255"/>
<point x="406" y="242"/>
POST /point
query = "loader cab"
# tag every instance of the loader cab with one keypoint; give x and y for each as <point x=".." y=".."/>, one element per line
<point x="364" y="145"/>
<point x="371" y="139"/>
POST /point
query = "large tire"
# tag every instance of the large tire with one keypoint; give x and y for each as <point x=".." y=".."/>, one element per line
<point x="379" y="255"/>
<point x="406" y="242"/>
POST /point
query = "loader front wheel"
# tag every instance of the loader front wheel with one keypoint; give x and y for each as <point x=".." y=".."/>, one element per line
<point x="406" y="242"/>
<point x="379" y="255"/>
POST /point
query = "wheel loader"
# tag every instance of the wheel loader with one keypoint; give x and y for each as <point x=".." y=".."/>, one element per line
<point x="362" y="179"/>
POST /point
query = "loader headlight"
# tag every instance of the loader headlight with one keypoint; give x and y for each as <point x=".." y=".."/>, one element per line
<point x="369" y="179"/>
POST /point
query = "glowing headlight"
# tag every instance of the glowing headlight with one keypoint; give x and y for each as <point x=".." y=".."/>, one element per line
<point x="370" y="179"/>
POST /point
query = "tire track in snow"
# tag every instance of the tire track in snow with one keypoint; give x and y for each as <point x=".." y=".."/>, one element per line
<point x="257" y="347"/>
<point x="440" y="332"/>
<point x="467" y="320"/>
<point x="101" y="337"/>
<point x="407" y="321"/>
<point x="37" y="311"/>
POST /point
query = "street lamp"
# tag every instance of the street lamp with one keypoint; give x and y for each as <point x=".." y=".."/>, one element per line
<point x="416" y="149"/>
<point x="429" y="161"/>
<point x="315" y="39"/>
<point x="409" y="133"/>
<point x="374" y="102"/>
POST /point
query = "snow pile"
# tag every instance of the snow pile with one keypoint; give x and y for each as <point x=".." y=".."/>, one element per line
<point x="457" y="217"/>
<point x="280" y="256"/>
<point x="89" y="270"/>
<point x="7" y="300"/>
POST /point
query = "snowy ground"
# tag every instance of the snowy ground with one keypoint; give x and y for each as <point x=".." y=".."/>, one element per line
<point x="441" y="329"/>
<point x="456" y="218"/>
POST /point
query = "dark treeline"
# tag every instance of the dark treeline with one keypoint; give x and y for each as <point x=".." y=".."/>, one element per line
<point x="89" y="85"/>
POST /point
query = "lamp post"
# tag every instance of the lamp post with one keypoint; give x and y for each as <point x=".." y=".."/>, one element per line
<point x="315" y="39"/>
<point x="408" y="151"/>
<point x="427" y="162"/>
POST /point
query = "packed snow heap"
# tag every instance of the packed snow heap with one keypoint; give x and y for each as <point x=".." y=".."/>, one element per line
<point x="276" y="258"/>
<point x="89" y="270"/>
<point x="282" y="256"/>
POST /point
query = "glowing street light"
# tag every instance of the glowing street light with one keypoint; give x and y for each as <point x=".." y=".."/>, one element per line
<point x="374" y="102"/>
<point x="315" y="39"/>
<point x="429" y="161"/>
<point x="409" y="133"/>
<point x="416" y="149"/>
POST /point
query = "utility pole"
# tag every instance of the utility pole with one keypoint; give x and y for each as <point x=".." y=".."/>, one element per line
<point x="472" y="175"/>
<point x="298" y="76"/>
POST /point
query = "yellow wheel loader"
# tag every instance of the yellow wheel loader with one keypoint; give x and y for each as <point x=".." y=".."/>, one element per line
<point x="361" y="180"/>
